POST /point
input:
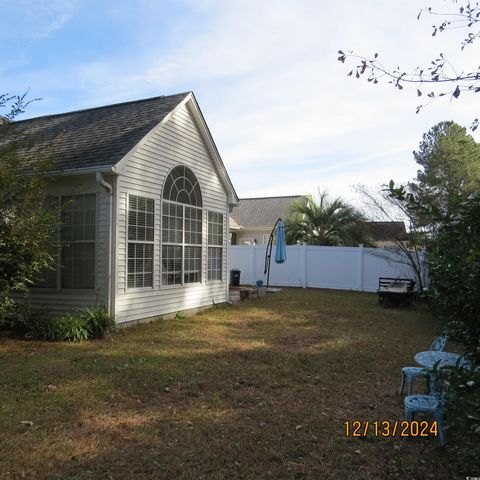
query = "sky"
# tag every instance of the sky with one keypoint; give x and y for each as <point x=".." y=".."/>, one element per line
<point x="284" y="115"/>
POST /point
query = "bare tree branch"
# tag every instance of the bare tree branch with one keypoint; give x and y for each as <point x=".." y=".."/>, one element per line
<point x="439" y="72"/>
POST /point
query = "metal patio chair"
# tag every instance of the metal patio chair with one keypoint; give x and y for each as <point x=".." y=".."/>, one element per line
<point x="409" y="374"/>
<point x="433" y="404"/>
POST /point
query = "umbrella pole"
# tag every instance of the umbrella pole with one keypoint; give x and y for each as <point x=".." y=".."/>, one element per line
<point x="268" y="252"/>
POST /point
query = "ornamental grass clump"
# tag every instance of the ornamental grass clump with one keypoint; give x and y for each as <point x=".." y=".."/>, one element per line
<point x="66" y="328"/>
<point x="99" y="322"/>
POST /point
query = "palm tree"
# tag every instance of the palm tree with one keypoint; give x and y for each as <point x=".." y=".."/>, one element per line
<point x="329" y="223"/>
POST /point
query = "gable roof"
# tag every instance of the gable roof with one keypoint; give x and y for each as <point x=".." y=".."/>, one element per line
<point x="97" y="137"/>
<point x="262" y="212"/>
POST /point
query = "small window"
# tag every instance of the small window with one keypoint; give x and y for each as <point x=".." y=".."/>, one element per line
<point x="215" y="246"/>
<point x="141" y="226"/>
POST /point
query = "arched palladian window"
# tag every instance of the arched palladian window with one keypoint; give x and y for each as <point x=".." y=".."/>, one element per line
<point x="182" y="186"/>
<point x="181" y="228"/>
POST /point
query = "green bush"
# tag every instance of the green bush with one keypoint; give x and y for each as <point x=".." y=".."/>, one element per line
<point x="16" y="316"/>
<point x="454" y="267"/>
<point x="67" y="328"/>
<point x="94" y="322"/>
<point x="99" y="322"/>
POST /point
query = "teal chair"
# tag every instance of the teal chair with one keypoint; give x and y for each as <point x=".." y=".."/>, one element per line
<point x="433" y="404"/>
<point x="409" y="374"/>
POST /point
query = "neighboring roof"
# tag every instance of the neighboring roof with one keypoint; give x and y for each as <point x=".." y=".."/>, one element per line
<point x="262" y="212"/>
<point x="233" y="224"/>
<point x="381" y="231"/>
<point x="100" y="136"/>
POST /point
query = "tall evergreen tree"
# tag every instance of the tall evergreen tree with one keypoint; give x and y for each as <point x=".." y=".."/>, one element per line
<point x="450" y="166"/>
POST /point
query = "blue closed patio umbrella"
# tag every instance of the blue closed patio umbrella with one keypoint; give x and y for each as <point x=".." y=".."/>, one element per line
<point x="280" y="250"/>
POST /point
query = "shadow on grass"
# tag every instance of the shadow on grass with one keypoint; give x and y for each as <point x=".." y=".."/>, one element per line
<point x="260" y="390"/>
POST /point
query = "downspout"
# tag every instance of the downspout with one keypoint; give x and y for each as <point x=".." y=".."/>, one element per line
<point x="108" y="188"/>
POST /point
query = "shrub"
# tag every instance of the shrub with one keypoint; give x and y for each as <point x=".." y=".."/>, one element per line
<point x="61" y="329"/>
<point x="15" y="316"/>
<point x="94" y="322"/>
<point x="454" y="265"/>
<point x="99" y="322"/>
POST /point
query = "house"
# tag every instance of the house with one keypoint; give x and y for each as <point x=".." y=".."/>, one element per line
<point x="386" y="234"/>
<point x="252" y="220"/>
<point x="145" y="202"/>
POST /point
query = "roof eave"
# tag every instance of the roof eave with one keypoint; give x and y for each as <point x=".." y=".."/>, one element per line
<point x="84" y="171"/>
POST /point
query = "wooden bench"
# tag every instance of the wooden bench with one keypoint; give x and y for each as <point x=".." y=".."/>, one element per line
<point x="395" y="292"/>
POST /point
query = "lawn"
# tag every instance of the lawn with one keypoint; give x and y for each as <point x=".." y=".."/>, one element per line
<point x="261" y="389"/>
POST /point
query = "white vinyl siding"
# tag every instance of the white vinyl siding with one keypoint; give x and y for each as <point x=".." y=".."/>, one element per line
<point x="176" y="142"/>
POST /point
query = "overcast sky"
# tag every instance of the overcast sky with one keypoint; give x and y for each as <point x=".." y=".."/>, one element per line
<point x="284" y="115"/>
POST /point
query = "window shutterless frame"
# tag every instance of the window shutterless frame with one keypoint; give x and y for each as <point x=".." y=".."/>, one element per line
<point x="215" y="246"/>
<point x="75" y="230"/>
<point x="140" y="243"/>
<point x="182" y="229"/>
<point x="79" y="242"/>
<point x="182" y="244"/>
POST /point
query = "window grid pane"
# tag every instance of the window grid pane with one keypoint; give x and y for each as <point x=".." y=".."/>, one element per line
<point x="141" y="219"/>
<point x="141" y="228"/>
<point x="172" y="223"/>
<point x="215" y="228"/>
<point x="214" y="263"/>
<point x="47" y="277"/>
<point x="182" y="186"/>
<point x="192" y="269"/>
<point x="78" y="237"/>
<point x="78" y="262"/>
<point x="171" y="265"/>
<point x="140" y="265"/>
<point x="78" y="217"/>
<point x="215" y="249"/>
<point x="193" y="226"/>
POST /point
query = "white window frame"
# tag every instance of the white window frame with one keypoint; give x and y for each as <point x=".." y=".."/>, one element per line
<point x="127" y="242"/>
<point x="58" y="254"/>
<point x="182" y="245"/>
<point x="221" y="247"/>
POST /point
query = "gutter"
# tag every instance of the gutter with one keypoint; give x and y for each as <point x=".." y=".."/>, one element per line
<point x="84" y="171"/>
<point x="101" y="181"/>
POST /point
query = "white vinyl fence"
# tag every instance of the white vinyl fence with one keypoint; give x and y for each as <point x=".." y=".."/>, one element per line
<point x="343" y="268"/>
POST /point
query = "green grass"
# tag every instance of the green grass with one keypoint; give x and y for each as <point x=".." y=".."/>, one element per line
<point x="257" y="390"/>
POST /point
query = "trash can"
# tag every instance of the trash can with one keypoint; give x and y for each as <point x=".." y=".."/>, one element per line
<point x="235" y="277"/>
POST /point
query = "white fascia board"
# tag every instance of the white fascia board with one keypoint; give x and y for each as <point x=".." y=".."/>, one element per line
<point x="194" y="109"/>
<point x="232" y="197"/>
<point x="109" y="169"/>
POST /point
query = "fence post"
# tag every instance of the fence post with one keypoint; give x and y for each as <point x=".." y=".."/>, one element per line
<point x="254" y="269"/>
<point x="303" y="266"/>
<point x="360" y="268"/>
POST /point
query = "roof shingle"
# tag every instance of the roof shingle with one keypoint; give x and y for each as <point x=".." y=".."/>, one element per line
<point x="262" y="212"/>
<point x="99" y="136"/>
